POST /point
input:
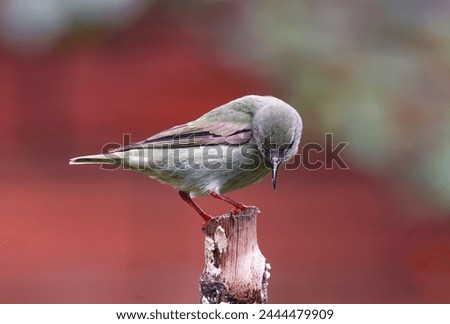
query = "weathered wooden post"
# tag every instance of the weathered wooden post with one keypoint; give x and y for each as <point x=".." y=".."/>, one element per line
<point x="235" y="270"/>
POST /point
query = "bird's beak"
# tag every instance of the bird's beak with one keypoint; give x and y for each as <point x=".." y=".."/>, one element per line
<point x="275" y="165"/>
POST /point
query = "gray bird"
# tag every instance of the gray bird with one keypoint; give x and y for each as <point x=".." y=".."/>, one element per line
<point x="230" y="147"/>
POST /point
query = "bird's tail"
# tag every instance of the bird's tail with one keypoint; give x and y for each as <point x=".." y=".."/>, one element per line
<point x="97" y="159"/>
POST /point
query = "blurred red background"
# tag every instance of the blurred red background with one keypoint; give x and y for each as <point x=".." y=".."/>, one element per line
<point x="83" y="235"/>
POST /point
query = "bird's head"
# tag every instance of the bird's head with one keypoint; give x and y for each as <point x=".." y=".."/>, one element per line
<point x="277" y="129"/>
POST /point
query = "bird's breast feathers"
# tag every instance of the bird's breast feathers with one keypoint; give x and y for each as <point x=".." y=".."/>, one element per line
<point x="197" y="169"/>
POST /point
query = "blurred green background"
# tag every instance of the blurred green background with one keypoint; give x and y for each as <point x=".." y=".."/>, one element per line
<point x="77" y="74"/>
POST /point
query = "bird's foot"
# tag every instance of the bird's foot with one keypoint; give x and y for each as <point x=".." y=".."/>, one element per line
<point x="187" y="198"/>
<point x="207" y="218"/>
<point x="205" y="227"/>
<point x="239" y="207"/>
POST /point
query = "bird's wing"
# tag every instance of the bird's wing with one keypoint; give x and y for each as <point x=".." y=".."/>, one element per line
<point x="223" y="125"/>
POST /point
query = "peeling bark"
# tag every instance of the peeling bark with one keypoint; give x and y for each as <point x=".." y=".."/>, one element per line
<point x="235" y="270"/>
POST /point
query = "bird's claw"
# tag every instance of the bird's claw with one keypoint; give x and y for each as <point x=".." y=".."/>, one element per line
<point x="239" y="209"/>
<point x="205" y="225"/>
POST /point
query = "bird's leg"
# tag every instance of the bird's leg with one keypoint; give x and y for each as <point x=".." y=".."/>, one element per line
<point x="239" y="206"/>
<point x="187" y="198"/>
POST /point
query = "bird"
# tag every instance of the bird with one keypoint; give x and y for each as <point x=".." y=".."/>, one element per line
<point x="230" y="147"/>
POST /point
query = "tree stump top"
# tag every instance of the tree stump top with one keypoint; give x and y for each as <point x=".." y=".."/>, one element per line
<point x="235" y="269"/>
